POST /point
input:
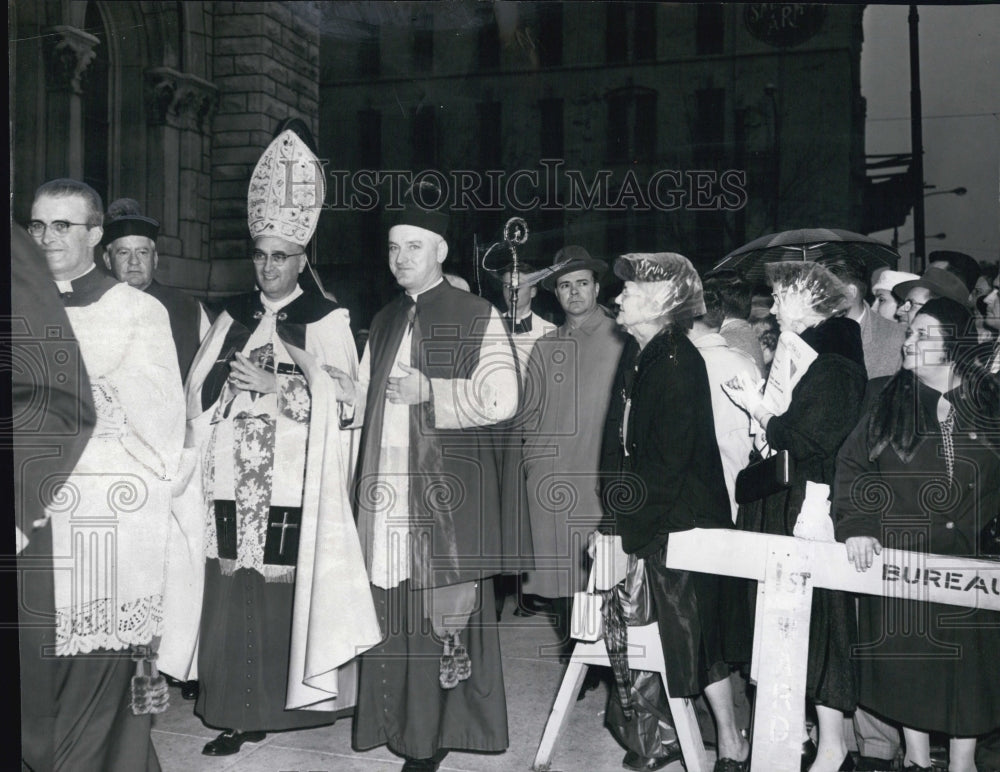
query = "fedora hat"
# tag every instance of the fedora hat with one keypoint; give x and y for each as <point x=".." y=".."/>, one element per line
<point x="941" y="282"/>
<point x="572" y="258"/>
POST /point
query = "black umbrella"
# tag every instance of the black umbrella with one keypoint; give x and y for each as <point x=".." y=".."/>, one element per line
<point x="806" y="244"/>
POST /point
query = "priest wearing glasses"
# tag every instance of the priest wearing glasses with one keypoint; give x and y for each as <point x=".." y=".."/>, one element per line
<point x="270" y="492"/>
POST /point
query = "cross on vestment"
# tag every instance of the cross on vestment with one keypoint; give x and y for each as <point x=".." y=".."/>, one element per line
<point x="788" y="569"/>
<point x="283" y="525"/>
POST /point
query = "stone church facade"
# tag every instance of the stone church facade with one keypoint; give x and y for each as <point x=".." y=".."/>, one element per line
<point x="172" y="103"/>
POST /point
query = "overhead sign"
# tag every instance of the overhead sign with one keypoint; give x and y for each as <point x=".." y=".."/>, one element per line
<point x="784" y="24"/>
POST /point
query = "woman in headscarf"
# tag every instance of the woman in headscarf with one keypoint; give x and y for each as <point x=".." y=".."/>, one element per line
<point x="923" y="468"/>
<point x="824" y="407"/>
<point x="663" y="474"/>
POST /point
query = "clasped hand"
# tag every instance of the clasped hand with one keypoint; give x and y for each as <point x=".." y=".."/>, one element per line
<point x="246" y="376"/>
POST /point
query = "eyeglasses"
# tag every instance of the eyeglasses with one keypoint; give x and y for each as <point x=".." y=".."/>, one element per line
<point x="277" y="258"/>
<point x="36" y="228"/>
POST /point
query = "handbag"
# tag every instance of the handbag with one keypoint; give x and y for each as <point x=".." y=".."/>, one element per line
<point x="635" y="596"/>
<point x="587" y="620"/>
<point x="764" y="478"/>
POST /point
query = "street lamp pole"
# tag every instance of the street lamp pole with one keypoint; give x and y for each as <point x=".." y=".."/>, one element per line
<point x="916" y="137"/>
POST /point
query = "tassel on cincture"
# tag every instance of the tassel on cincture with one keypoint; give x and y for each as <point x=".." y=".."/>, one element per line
<point x="463" y="665"/>
<point x="448" y="676"/>
<point x="149" y="693"/>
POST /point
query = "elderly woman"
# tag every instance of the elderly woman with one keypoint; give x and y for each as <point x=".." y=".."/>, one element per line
<point x="925" y="464"/>
<point x="663" y="474"/>
<point x="825" y="406"/>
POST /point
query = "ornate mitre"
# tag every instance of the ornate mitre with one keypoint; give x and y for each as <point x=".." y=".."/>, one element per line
<point x="286" y="191"/>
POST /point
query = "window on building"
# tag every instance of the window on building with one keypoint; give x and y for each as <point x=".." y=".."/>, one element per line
<point x="551" y="144"/>
<point x="488" y="38"/>
<point x="644" y="32"/>
<point x="618" y="133"/>
<point x="710" y="126"/>
<point x="424" y="137"/>
<point x="370" y="138"/>
<point x="709" y="27"/>
<point x="423" y="42"/>
<point x="630" y="32"/>
<point x="488" y="121"/>
<point x="644" y="132"/>
<point x="632" y="122"/>
<point x="616" y="34"/>
<point x="369" y="51"/>
<point x="550" y="34"/>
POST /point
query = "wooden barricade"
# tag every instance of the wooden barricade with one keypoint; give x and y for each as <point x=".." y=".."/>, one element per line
<point x="788" y="569"/>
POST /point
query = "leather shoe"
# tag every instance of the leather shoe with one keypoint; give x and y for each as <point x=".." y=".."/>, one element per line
<point x="634" y="761"/>
<point x="424" y="765"/>
<point x="917" y="768"/>
<point x="230" y="741"/>
<point x="731" y="765"/>
<point x="189" y="690"/>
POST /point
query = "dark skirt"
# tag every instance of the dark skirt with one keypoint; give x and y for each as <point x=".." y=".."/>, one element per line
<point x="831" y="674"/>
<point x="95" y="727"/>
<point x="688" y="615"/>
<point x="400" y="700"/>
<point x="941" y="674"/>
<point x="243" y="649"/>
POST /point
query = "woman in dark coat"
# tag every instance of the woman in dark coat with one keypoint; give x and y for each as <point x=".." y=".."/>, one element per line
<point x="924" y="468"/>
<point x="663" y="474"/>
<point x="825" y="406"/>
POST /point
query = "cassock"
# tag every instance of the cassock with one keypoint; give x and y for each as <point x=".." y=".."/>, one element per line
<point x="188" y="322"/>
<point x="270" y="491"/>
<point x="46" y="443"/>
<point x="110" y="521"/>
<point x="429" y="521"/>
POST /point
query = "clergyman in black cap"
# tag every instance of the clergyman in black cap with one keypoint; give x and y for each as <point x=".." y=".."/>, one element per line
<point x="129" y="243"/>
<point x="438" y="364"/>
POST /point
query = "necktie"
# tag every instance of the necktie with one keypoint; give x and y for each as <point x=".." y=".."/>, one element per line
<point x="947" y="428"/>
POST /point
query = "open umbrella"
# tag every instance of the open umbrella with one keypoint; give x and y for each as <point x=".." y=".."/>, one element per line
<point x="806" y="244"/>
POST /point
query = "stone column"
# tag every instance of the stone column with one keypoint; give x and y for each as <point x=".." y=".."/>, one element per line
<point x="179" y="109"/>
<point x="68" y="54"/>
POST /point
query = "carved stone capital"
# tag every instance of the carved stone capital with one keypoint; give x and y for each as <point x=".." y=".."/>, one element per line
<point x="179" y="100"/>
<point x="68" y="53"/>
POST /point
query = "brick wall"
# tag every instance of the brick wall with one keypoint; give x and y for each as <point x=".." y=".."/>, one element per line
<point x="266" y="64"/>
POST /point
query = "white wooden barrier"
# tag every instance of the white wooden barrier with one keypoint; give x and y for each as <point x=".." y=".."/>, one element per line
<point x="788" y="570"/>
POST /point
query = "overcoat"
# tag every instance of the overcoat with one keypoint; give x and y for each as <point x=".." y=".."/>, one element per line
<point x="562" y="429"/>
<point x="946" y="651"/>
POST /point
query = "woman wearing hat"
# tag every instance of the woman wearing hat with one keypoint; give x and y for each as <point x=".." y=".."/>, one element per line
<point x="825" y="404"/>
<point x="929" y="445"/>
<point x="884" y="289"/>
<point x="662" y="474"/>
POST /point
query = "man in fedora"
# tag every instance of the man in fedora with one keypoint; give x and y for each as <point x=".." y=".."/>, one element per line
<point x="935" y="283"/>
<point x="563" y="420"/>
